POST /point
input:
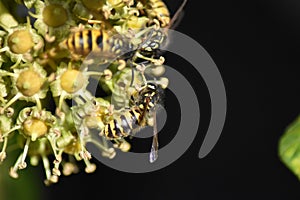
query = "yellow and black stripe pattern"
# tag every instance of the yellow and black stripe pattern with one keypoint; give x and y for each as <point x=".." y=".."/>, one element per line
<point x="85" y="41"/>
<point x="124" y="124"/>
<point x="130" y="120"/>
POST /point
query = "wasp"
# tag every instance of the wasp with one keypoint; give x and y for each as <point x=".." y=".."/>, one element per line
<point x="157" y="9"/>
<point x="155" y="36"/>
<point x="108" y="42"/>
<point x="142" y="112"/>
<point x="92" y="115"/>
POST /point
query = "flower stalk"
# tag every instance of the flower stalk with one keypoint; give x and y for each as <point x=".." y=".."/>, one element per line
<point x="48" y="64"/>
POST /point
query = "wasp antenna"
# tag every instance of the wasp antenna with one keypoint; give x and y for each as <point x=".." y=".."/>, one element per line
<point x="177" y="13"/>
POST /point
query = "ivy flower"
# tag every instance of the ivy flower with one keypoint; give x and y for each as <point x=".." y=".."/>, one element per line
<point x="71" y="82"/>
<point x="35" y="126"/>
<point x="120" y="10"/>
<point x="70" y="144"/>
<point x="53" y="19"/>
<point x="5" y="130"/>
<point x="89" y="10"/>
<point x="21" y="43"/>
<point x="28" y="83"/>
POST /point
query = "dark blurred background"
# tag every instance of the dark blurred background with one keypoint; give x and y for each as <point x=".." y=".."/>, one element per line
<point x="256" y="46"/>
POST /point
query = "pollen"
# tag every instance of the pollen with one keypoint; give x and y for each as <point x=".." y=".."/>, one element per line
<point x="20" y="41"/>
<point x="72" y="81"/>
<point x="29" y="82"/>
<point x="55" y="15"/>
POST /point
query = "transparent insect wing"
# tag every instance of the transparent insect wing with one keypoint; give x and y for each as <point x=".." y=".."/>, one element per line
<point x="128" y="82"/>
<point x="154" y="151"/>
<point x="98" y="60"/>
<point x="154" y="147"/>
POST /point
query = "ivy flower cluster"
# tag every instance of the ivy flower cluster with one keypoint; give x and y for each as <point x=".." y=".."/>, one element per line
<point x="46" y="106"/>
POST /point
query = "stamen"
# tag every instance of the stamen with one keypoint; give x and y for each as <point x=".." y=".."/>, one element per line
<point x="34" y="15"/>
<point x="6" y="73"/>
<point x="38" y="102"/>
<point x="69" y="168"/>
<point x="122" y="64"/>
<point x="47" y="169"/>
<point x="17" y="63"/>
<point x="61" y="99"/>
<point x="123" y="145"/>
<point x="9" y="112"/>
<point x="90" y="167"/>
<point x="23" y="164"/>
<point x="51" y="140"/>
<point x="110" y="153"/>
<point x="13" y="100"/>
<point x="11" y="130"/>
<point x="106" y="152"/>
<point x="3" y="153"/>
<point x="4" y="49"/>
<point x="13" y="170"/>
<point x="56" y="170"/>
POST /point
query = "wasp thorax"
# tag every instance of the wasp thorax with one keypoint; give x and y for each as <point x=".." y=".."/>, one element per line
<point x="34" y="128"/>
<point x="29" y="82"/>
<point x="72" y="80"/>
<point x="55" y="15"/>
<point x="20" y="41"/>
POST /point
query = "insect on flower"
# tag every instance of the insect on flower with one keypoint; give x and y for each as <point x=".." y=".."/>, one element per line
<point x="130" y="120"/>
<point x="48" y="67"/>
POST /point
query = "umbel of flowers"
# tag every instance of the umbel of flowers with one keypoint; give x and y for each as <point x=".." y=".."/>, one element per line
<point x="46" y="106"/>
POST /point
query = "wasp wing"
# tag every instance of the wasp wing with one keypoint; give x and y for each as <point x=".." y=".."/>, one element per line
<point x="154" y="147"/>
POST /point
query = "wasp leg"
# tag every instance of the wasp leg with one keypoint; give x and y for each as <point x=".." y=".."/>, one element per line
<point x="158" y="61"/>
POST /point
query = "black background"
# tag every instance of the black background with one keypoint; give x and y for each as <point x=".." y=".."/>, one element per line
<point x="255" y="45"/>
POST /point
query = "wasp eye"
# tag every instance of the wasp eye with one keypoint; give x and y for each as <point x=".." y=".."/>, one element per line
<point x="152" y="86"/>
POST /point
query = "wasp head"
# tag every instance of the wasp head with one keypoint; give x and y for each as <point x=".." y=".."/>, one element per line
<point x="149" y="96"/>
